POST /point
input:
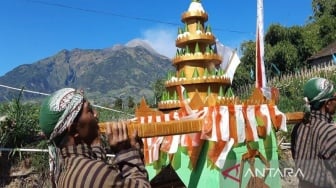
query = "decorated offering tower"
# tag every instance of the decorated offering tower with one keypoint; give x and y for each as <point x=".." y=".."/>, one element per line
<point x="196" y="61"/>
<point x="206" y="135"/>
<point x="197" y="98"/>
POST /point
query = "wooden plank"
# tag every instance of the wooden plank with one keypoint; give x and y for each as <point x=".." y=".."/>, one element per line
<point x="294" y="117"/>
<point x="161" y="128"/>
<point x="175" y="127"/>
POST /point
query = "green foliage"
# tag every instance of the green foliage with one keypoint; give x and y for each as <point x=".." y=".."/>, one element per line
<point x="291" y="87"/>
<point x="21" y="123"/>
<point x="327" y="29"/>
<point x="324" y="20"/>
<point x="41" y="160"/>
<point x="130" y="102"/>
<point x="291" y="91"/>
<point x="289" y="47"/>
<point x="323" y="7"/>
<point x="291" y="99"/>
<point x="242" y="74"/>
<point x="107" y="115"/>
<point x="291" y="94"/>
<point x="20" y="129"/>
<point x="284" y="55"/>
<point x="275" y="33"/>
<point x="118" y="103"/>
<point x="159" y="87"/>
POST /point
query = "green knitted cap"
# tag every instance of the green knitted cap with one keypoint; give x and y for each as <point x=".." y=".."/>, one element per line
<point x="59" y="110"/>
<point x="48" y="118"/>
<point x="317" y="91"/>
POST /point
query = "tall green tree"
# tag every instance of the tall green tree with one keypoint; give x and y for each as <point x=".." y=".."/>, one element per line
<point x="284" y="55"/>
<point x="243" y="72"/>
<point x="158" y="88"/>
<point x="288" y="48"/>
<point x="118" y="103"/>
<point x="130" y="102"/>
<point x="324" y="15"/>
<point x="322" y="8"/>
<point x="275" y="34"/>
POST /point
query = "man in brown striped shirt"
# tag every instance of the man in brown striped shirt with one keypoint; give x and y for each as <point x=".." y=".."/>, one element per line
<point x="314" y="139"/>
<point x="78" y="160"/>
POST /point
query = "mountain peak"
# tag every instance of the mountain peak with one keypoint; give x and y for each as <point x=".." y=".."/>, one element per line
<point x="142" y="43"/>
<point x="106" y="72"/>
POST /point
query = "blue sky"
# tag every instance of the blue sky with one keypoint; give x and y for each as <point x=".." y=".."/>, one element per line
<point x="31" y="30"/>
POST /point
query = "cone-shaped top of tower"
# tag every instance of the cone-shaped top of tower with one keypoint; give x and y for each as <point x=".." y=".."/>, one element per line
<point x="196" y="5"/>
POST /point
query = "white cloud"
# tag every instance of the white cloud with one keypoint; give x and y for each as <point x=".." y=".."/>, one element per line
<point x="162" y="39"/>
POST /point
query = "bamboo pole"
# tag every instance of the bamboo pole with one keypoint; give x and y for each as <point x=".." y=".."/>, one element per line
<point x="294" y="117"/>
<point x="176" y="127"/>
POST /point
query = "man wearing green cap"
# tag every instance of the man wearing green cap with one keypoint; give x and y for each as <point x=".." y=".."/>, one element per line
<point x="314" y="139"/>
<point x="76" y="155"/>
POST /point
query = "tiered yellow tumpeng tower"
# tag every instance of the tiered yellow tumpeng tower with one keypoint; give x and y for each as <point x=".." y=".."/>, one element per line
<point x="204" y="159"/>
<point x="196" y="61"/>
<point x="203" y="134"/>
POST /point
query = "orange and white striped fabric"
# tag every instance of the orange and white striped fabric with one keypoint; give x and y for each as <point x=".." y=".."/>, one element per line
<point x="152" y="145"/>
<point x="251" y="124"/>
<point x="278" y="118"/>
<point x="223" y="126"/>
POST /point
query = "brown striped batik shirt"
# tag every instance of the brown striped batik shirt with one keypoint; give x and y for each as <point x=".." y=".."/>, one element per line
<point x="84" y="166"/>
<point x="314" y="150"/>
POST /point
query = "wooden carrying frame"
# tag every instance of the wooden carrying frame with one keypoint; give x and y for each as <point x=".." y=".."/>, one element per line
<point x="176" y="127"/>
<point x="161" y="128"/>
<point x="179" y="126"/>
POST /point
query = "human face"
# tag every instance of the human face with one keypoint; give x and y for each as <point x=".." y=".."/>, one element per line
<point x="331" y="105"/>
<point x="87" y="125"/>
